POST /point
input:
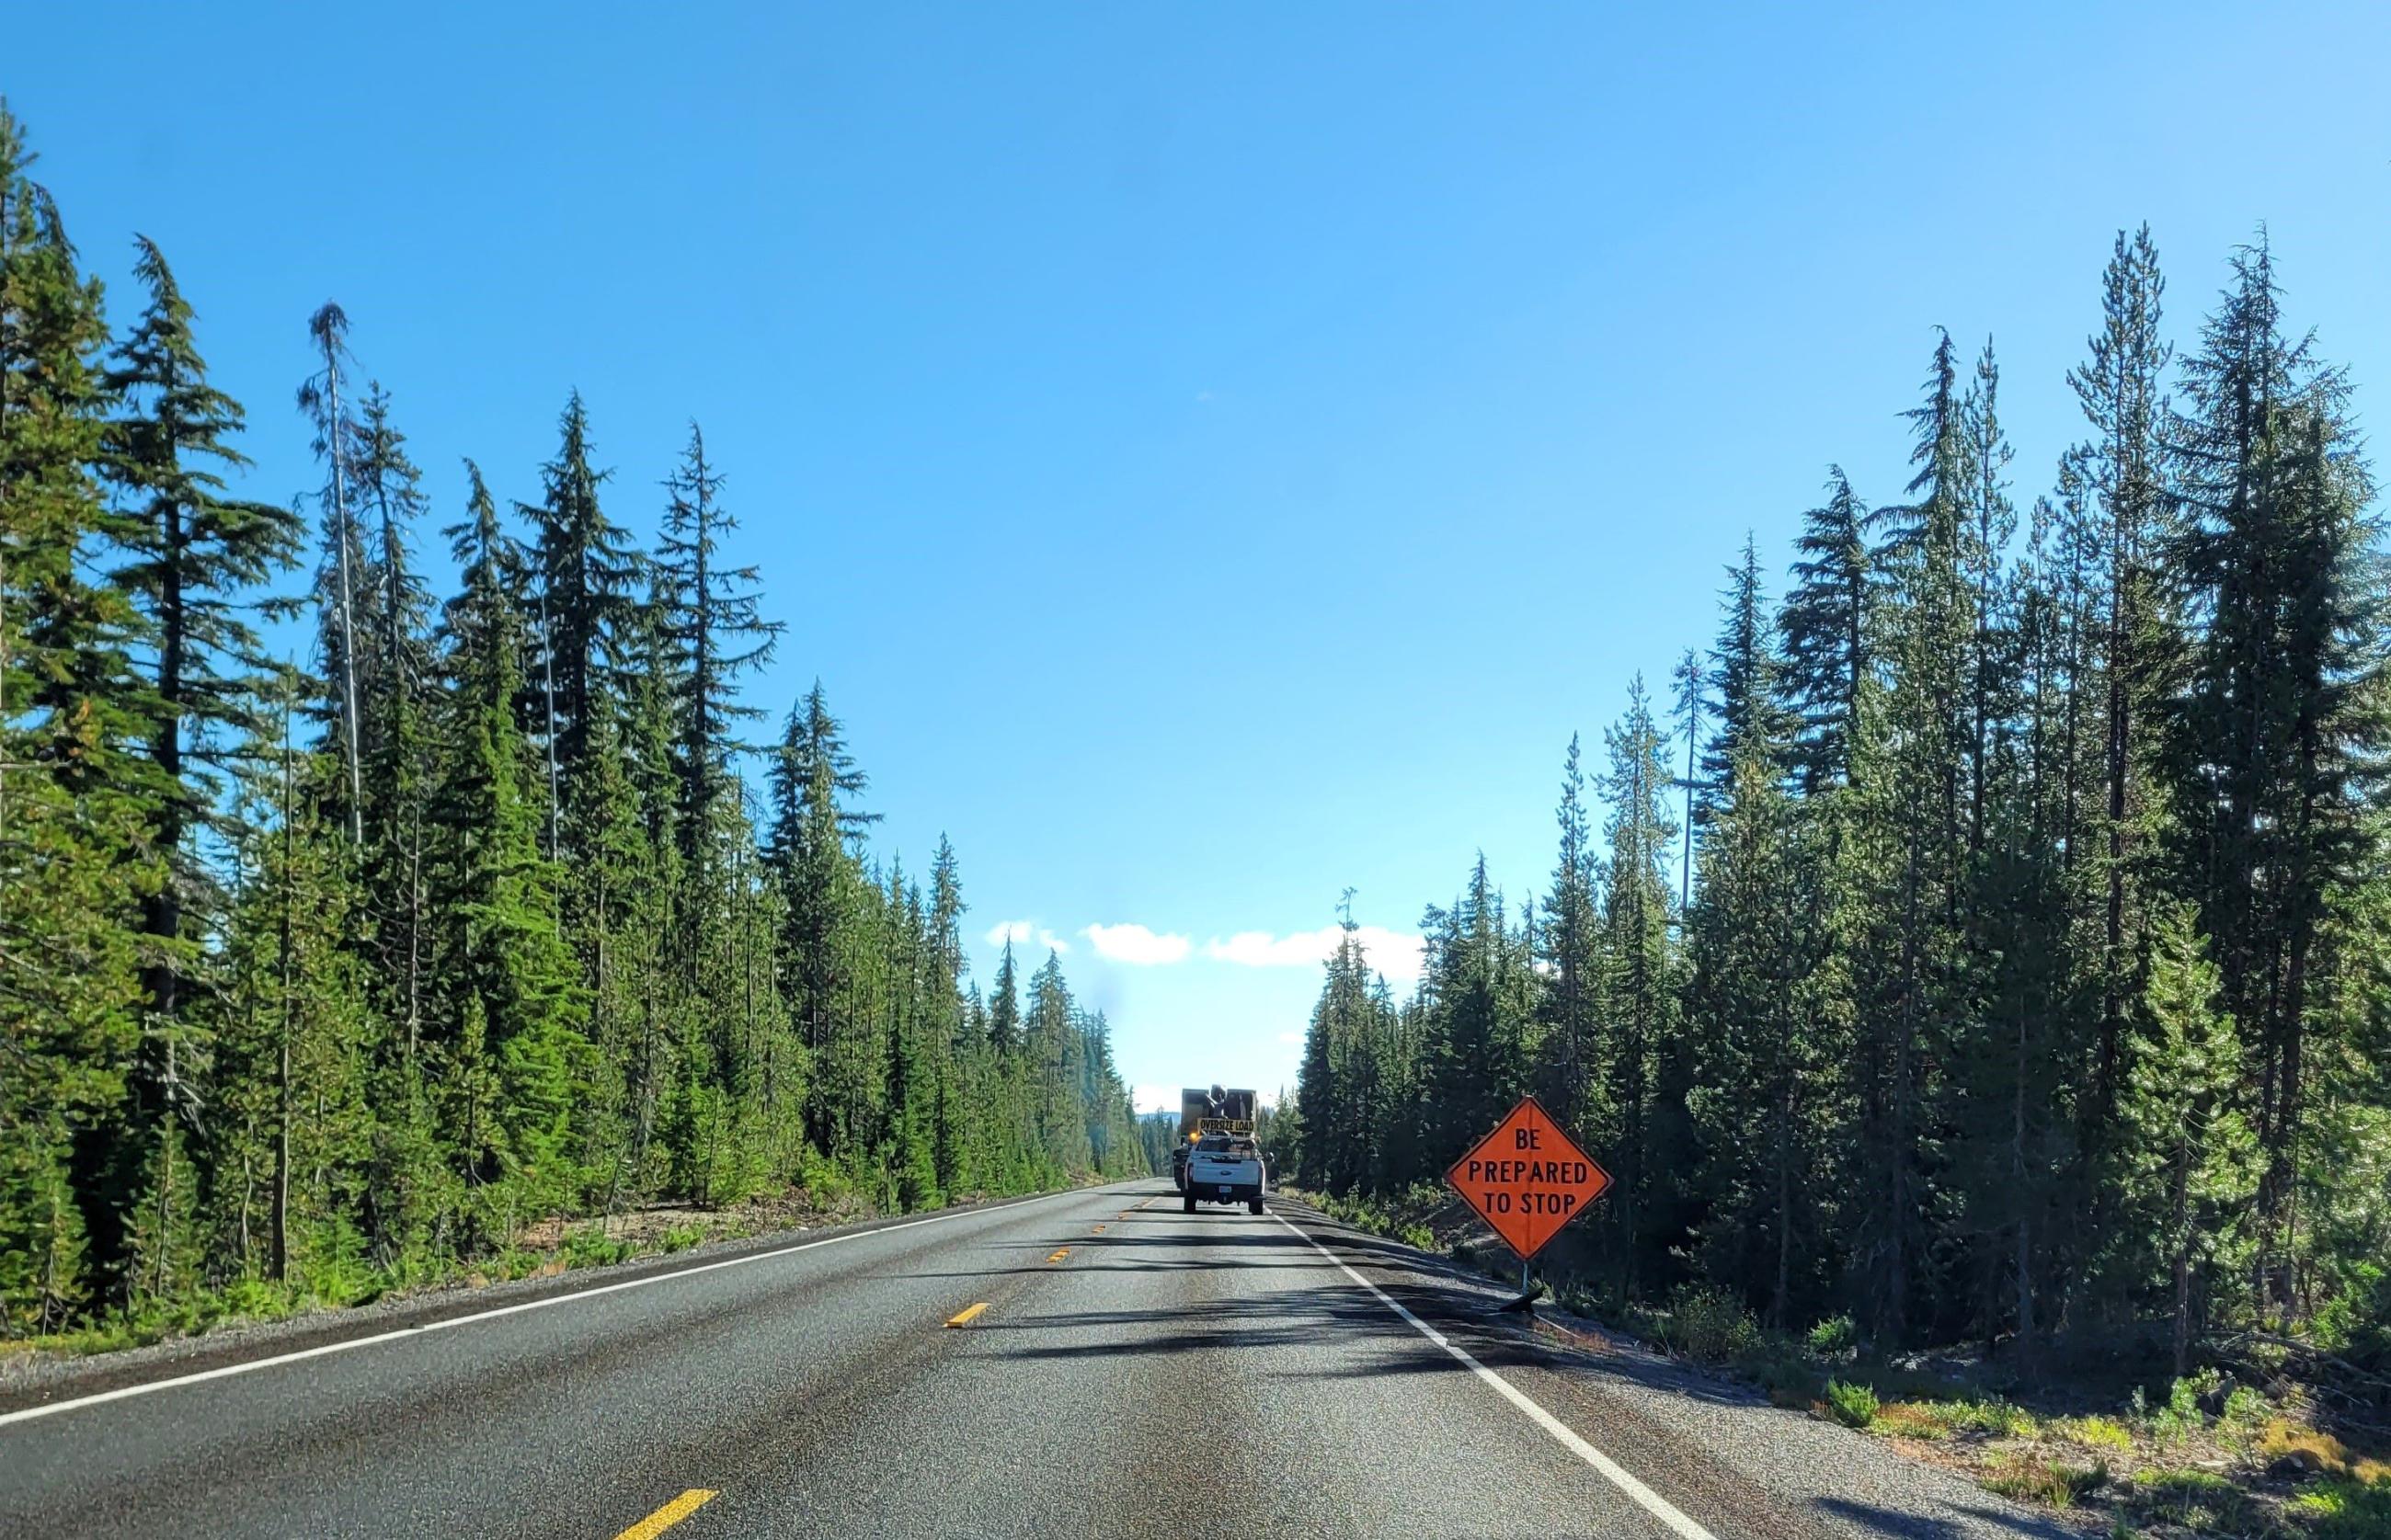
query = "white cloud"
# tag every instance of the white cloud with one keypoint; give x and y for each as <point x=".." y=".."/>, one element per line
<point x="1136" y="945"/>
<point x="1023" y="932"/>
<point x="1290" y="1038"/>
<point x="1389" y="952"/>
<point x="1155" y="1099"/>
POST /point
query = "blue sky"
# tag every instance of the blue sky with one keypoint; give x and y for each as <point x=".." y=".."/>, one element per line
<point x="1214" y="456"/>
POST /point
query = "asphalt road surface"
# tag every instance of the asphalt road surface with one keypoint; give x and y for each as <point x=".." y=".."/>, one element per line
<point x="1133" y="1371"/>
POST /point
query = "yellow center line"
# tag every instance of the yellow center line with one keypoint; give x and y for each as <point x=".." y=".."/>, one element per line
<point x="668" y="1515"/>
<point x="1060" y="1255"/>
<point x="1100" y="1229"/>
<point x="965" y="1317"/>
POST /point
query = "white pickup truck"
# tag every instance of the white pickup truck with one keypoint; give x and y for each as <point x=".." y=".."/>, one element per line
<point x="1224" y="1168"/>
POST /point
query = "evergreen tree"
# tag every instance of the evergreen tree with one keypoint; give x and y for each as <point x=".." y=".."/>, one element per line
<point x="1770" y="1060"/>
<point x="1828" y="622"/>
<point x="586" y="569"/>
<point x="1988" y="524"/>
<point x="509" y="986"/>
<point x="1686" y="710"/>
<point x="2277" y="733"/>
<point x="394" y="669"/>
<point x="1742" y="680"/>
<point x="1572" y="954"/>
<point x="1917" y="807"/>
<point x="289" y="1131"/>
<point x="191" y="556"/>
<point x="74" y="816"/>
<point x="1639" y="988"/>
<point x="393" y="657"/>
<point x="717" y="633"/>
<point x="2116" y="520"/>
<point x="1004" y="1008"/>
<point x="2194" y="1165"/>
<point x="345" y="599"/>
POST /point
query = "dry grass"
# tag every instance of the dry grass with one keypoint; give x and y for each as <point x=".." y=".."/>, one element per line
<point x="2050" y="1483"/>
<point x="2319" y="1452"/>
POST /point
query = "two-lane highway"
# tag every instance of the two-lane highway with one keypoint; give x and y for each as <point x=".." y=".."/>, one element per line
<point x="1129" y="1370"/>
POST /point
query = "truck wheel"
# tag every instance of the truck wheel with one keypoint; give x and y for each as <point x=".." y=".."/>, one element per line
<point x="1255" y="1206"/>
<point x="1187" y="1203"/>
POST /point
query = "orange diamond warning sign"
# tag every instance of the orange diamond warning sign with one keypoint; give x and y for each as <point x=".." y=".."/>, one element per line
<point x="1528" y="1178"/>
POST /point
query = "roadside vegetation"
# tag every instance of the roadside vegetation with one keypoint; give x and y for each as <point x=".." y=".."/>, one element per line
<point x="2248" y="1454"/>
<point x="453" y="946"/>
<point x="1982" y="945"/>
<point x="548" y="1248"/>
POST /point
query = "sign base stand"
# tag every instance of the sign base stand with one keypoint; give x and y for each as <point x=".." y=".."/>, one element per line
<point x="1529" y="1294"/>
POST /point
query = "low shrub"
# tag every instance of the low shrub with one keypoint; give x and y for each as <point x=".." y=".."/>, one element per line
<point x="2050" y="1483"/>
<point x="2094" y="1432"/>
<point x="2346" y="1510"/>
<point x="1709" y="1324"/>
<point x="2181" y="1417"/>
<point x="1835" y="1337"/>
<point x="1988" y="1415"/>
<point x="1790" y="1378"/>
<point x="590" y="1247"/>
<point x="2195" y="1499"/>
<point x="1911" y="1419"/>
<point x="1853" y="1406"/>
<point x="680" y="1238"/>
<point x="2244" y="1409"/>
<point x="516" y="1262"/>
<point x="1943" y="1418"/>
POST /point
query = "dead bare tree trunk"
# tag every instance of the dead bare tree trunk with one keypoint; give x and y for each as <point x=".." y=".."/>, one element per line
<point x="327" y="324"/>
<point x="282" y="1027"/>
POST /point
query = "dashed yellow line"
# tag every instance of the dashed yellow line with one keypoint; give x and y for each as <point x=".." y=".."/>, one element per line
<point x="668" y="1515"/>
<point x="1098" y="1231"/>
<point x="965" y="1317"/>
<point x="1060" y="1255"/>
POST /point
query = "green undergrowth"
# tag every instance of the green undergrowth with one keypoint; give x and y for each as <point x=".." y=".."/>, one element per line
<point x="1402" y="1217"/>
<point x="2199" y="1458"/>
<point x="340" y="1281"/>
<point x="2202" y="1458"/>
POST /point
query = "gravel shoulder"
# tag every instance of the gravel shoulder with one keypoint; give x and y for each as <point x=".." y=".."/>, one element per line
<point x="1752" y="1466"/>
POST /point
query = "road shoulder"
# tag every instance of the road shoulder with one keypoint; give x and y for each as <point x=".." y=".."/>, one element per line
<point x="30" y="1381"/>
<point x="1712" y="1447"/>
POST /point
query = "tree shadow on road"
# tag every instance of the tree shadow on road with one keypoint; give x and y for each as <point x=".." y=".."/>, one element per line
<point x="1916" y="1526"/>
<point x="1376" y="1341"/>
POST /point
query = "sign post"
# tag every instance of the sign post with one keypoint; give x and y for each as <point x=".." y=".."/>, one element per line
<point x="1527" y="1179"/>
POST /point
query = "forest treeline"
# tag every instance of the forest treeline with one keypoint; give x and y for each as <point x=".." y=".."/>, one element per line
<point x="1989" y="936"/>
<point x="322" y="974"/>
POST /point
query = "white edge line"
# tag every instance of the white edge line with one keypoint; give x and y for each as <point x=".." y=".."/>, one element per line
<point x="1650" y="1501"/>
<point x="122" y="1393"/>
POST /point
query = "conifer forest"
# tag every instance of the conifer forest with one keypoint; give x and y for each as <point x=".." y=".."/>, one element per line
<point x="1984" y="935"/>
<point x="329" y="964"/>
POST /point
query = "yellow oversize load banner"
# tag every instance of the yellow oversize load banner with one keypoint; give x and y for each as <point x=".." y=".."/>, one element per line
<point x="1528" y="1178"/>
